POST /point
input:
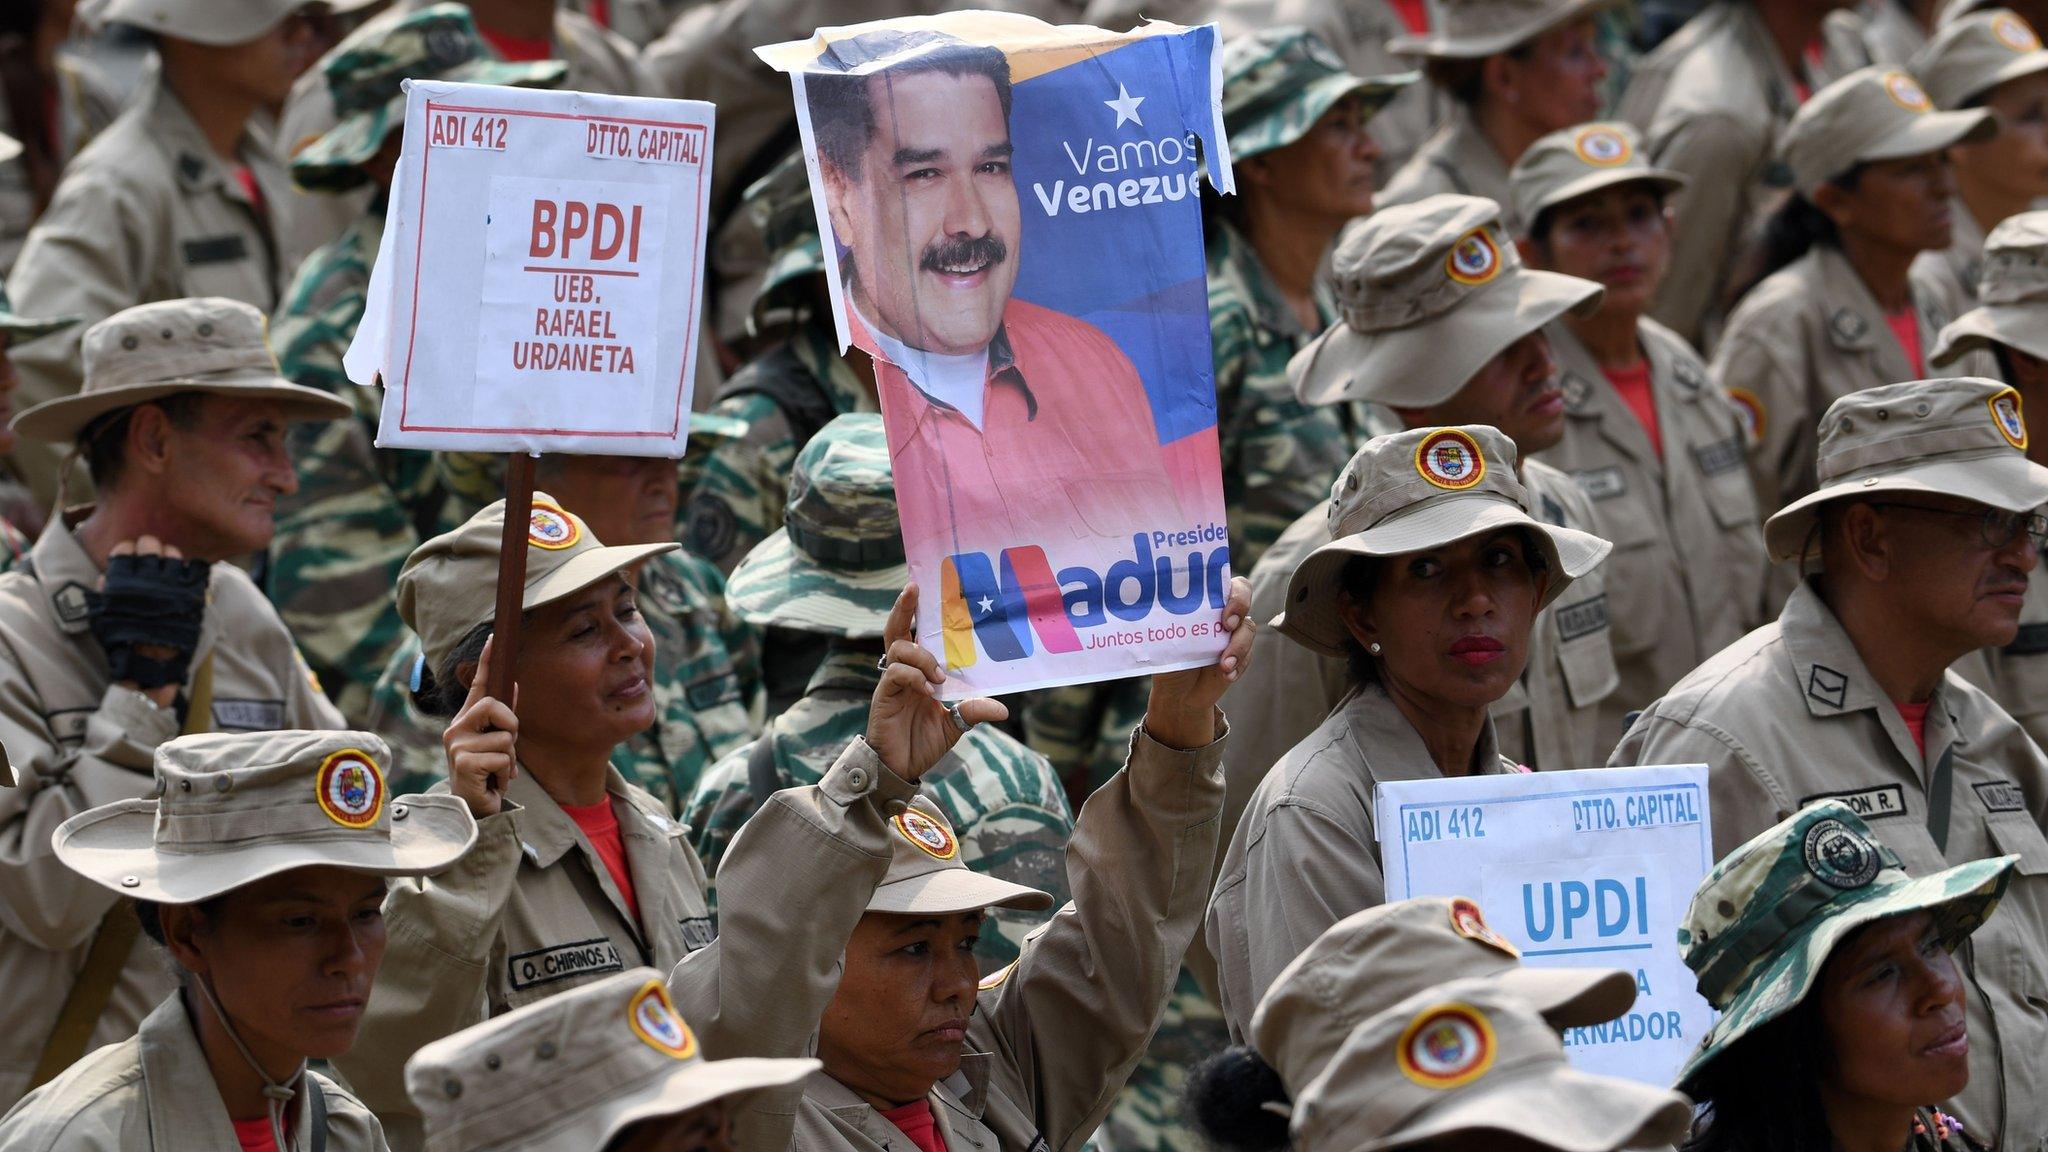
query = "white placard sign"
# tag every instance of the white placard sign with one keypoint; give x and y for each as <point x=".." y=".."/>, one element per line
<point x="1583" y="869"/>
<point x="538" y="282"/>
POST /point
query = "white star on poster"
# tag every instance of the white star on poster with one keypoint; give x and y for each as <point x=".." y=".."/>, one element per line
<point x="987" y="605"/>
<point x="1126" y="106"/>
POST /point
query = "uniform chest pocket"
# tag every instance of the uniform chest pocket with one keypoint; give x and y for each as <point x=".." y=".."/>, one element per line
<point x="1622" y="503"/>
<point x="2010" y="943"/>
<point x="1585" y="650"/>
<point x="1732" y="499"/>
<point x="710" y="691"/>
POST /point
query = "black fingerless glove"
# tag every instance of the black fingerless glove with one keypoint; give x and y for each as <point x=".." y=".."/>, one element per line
<point x="149" y="601"/>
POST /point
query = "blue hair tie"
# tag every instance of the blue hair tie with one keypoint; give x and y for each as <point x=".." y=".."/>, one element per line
<point x="419" y="668"/>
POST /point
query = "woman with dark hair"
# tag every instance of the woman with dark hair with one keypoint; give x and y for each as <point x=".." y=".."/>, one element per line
<point x="1842" y="1024"/>
<point x="1430" y="588"/>
<point x="1841" y="305"/>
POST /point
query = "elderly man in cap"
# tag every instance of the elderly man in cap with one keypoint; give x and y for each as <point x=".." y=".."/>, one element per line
<point x="14" y="499"/>
<point x="1443" y="324"/>
<point x="126" y="626"/>
<point x="175" y="199"/>
<point x="1924" y="530"/>
<point x="1653" y="440"/>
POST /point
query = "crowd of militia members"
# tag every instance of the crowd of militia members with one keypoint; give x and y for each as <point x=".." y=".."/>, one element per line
<point x="1597" y="382"/>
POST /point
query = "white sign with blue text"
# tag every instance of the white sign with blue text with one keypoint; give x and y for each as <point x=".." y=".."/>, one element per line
<point x="1583" y="869"/>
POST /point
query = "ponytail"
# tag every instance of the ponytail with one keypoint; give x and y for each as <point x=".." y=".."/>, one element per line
<point x="1236" y="1101"/>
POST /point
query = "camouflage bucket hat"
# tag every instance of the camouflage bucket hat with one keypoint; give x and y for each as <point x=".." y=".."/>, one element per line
<point x="220" y="23"/>
<point x="1471" y="29"/>
<point x="1976" y="53"/>
<point x="1964" y="437"/>
<point x="2012" y="295"/>
<point x="927" y="876"/>
<point x="365" y="75"/>
<point x="15" y="326"/>
<point x="1420" y="489"/>
<point x="1575" y="162"/>
<point x="1427" y="293"/>
<point x="1471" y="1057"/>
<point x="449" y="584"/>
<point x="234" y="808"/>
<point x="575" y="1070"/>
<point x="1277" y="82"/>
<point x="780" y="206"/>
<point x="836" y="564"/>
<point x="1875" y="113"/>
<point x="1762" y="924"/>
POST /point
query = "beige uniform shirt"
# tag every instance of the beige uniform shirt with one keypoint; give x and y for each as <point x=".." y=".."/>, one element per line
<point x="1686" y="577"/>
<point x="1455" y="158"/>
<point x="77" y="742"/>
<point x="532" y="911"/>
<point x="1963" y="259"/>
<point x="153" y="1092"/>
<point x="1054" y="1036"/>
<point x="149" y="211"/>
<point x="1790" y="714"/>
<point x="2017" y="675"/>
<point x="1305" y="855"/>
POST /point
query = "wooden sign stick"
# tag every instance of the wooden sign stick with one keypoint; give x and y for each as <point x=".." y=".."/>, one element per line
<point x="511" y="573"/>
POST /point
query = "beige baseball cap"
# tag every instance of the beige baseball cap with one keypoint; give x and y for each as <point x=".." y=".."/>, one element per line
<point x="1974" y="54"/>
<point x="1474" y="1056"/>
<point x="449" y="584"/>
<point x="1417" y="489"/>
<point x="216" y="22"/>
<point x="234" y="808"/>
<point x="1876" y="113"/>
<point x="573" y="1071"/>
<point x="1575" y="162"/>
<point x="1372" y="960"/>
<point x="1469" y="29"/>
<point x="1428" y="292"/>
<point x="2012" y="294"/>
<point x="926" y="874"/>
<point x="1959" y="437"/>
<point x="200" y="344"/>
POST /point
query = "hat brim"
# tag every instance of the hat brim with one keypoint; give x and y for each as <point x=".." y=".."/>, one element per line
<point x="2025" y="64"/>
<point x="1429" y="362"/>
<point x="1572" y="997"/>
<point x="1316" y="100"/>
<point x="1928" y="134"/>
<point x="1999" y="479"/>
<point x="333" y="161"/>
<point x="2024" y="328"/>
<point x="689" y="1086"/>
<point x="586" y="569"/>
<point x="60" y="421"/>
<point x="1553" y="1106"/>
<point x="18" y="327"/>
<point x="1780" y="985"/>
<point x="1662" y="179"/>
<point x="114" y="846"/>
<point x="950" y="891"/>
<point x="1312" y="617"/>
<point x="778" y="586"/>
<point x="1436" y="46"/>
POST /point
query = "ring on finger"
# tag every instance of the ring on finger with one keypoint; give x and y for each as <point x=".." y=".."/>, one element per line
<point x="959" y="721"/>
<point x="882" y="662"/>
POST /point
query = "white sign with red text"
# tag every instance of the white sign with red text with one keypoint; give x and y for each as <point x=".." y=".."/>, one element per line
<point x="537" y="288"/>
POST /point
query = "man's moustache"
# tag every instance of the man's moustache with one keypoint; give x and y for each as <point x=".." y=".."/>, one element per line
<point x="970" y="252"/>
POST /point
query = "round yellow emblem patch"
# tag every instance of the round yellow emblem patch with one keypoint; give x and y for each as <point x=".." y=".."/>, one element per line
<point x="1474" y="259"/>
<point x="2014" y="32"/>
<point x="1750" y="411"/>
<point x="655" y="1021"/>
<point x="2005" y="412"/>
<point x="1469" y="922"/>
<point x="1450" y="459"/>
<point x="552" y="528"/>
<point x="1446" y="1046"/>
<point x="350" y="788"/>
<point x="1906" y="92"/>
<point x="1601" y="146"/>
<point x="934" y="838"/>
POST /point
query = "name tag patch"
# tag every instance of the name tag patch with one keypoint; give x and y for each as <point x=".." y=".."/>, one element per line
<point x="2001" y="796"/>
<point x="1583" y="618"/>
<point x="248" y="715"/>
<point x="561" y="962"/>
<point x="713" y="690"/>
<point x="216" y="250"/>
<point x="1602" y="483"/>
<point x="698" y="932"/>
<point x="1720" y="456"/>
<point x="68" y="724"/>
<point x="1869" y="803"/>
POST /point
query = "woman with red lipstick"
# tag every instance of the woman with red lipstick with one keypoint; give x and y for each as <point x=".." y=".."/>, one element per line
<point x="1843" y="306"/>
<point x="1430" y="589"/>
<point x="261" y="867"/>
<point x="1842" y="1023"/>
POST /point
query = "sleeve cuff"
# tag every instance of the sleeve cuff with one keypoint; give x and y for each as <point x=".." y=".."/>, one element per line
<point x="859" y="772"/>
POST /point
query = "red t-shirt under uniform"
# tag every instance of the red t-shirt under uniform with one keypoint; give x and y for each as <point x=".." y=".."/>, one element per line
<point x="1633" y="386"/>
<point x="1905" y="326"/>
<point x="601" y="827"/>
<point x="917" y="1122"/>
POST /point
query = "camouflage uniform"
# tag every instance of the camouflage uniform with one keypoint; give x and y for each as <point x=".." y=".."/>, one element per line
<point x="707" y="672"/>
<point x="1012" y="818"/>
<point x="360" y="511"/>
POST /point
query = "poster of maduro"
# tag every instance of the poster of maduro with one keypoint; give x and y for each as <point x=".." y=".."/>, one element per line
<point x="1015" y="209"/>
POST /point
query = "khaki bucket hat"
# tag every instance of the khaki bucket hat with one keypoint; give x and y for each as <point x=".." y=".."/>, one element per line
<point x="573" y="1071"/>
<point x="1418" y="489"/>
<point x="203" y="344"/>
<point x="1575" y="162"/>
<point x="927" y="876"/>
<point x="1469" y="29"/>
<point x="15" y="326"/>
<point x="1762" y="924"/>
<point x="364" y="74"/>
<point x="1472" y="1056"/>
<point x="1976" y="53"/>
<point x="836" y="565"/>
<point x="1371" y="960"/>
<point x="1277" y="82"/>
<point x="2012" y="295"/>
<point x="1876" y="113"/>
<point x="1962" y="437"/>
<point x="449" y="585"/>
<point x="216" y="22"/>
<point x="234" y="808"/>
<point x="1427" y="293"/>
